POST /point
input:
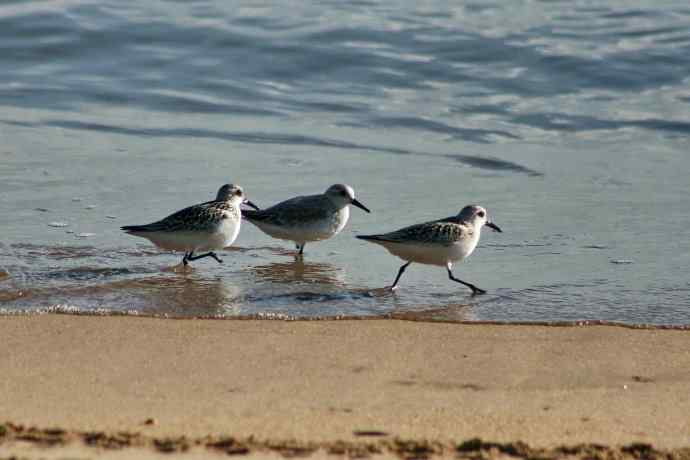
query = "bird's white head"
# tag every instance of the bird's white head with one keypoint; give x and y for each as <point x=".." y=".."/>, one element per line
<point x="477" y="217"/>
<point x="341" y="195"/>
<point x="234" y="194"/>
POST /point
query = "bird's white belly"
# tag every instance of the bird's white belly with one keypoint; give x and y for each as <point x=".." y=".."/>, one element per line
<point x="429" y="254"/>
<point x="228" y="230"/>
<point x="223" y="236"/>
<point x="305" y="231"/>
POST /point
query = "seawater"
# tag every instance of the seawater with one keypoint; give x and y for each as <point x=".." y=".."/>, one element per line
<point x="568" y="120"/>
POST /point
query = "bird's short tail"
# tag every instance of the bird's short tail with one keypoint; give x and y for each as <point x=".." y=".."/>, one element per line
<point x="368" y="237"/>
<point x="135" y="228"/>
<point x="251" y="214"/>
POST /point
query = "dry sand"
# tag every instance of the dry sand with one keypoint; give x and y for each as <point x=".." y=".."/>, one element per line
<point x="356" y="387"/>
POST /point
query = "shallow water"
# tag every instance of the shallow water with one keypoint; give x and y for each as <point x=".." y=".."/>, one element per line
<point x="569" y="121"/>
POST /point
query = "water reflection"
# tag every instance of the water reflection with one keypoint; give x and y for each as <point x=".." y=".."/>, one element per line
<point x="178" y="295"/>
<point x="166" y="294"/>
<point x="300" y="271"/>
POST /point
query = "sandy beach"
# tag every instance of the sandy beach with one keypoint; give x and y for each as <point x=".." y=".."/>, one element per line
<point x="361" y="384"/>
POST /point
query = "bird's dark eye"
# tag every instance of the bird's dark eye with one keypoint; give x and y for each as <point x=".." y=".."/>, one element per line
<point x="481" y="214"/>
<point x="238" y="192"/>
<point x="343" y="193"/>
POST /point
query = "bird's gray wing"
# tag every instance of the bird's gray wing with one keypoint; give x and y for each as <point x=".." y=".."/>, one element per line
<point x="298" y="209"/>
<point x="434" y="232"/>
<point x="200" y="217"/>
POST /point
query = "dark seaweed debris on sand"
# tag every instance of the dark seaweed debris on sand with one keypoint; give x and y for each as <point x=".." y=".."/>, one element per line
<point x="112" y="441"/>
<point x="228" y="445"/>
<point x="475" y="449"/>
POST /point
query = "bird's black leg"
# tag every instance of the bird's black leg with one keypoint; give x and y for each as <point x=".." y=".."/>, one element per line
<point x="475" y="289"/>
<point x="185" y="259"/>
<point x="400" y="272"/>
<point x="208" y="254"/>
<point x="301" y="248"/>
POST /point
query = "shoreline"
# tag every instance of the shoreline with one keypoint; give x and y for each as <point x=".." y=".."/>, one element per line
<point x="415" y="317"/>
<point x="321" y="383"/>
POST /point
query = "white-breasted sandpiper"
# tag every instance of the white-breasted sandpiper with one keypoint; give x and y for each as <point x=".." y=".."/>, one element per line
<point x="208" y="226"/>
<point x="439" y="242"/>
<point x="307" y="218"/>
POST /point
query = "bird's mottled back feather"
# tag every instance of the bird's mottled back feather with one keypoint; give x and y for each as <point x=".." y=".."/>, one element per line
<point x="300" y="209"/>
<point x="444" y="231"/>
<point x="200" y="217"/>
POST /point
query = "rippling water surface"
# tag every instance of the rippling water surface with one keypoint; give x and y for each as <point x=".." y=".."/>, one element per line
<point x="568" y="120"/>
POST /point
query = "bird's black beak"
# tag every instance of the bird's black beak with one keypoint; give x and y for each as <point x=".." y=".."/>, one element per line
<point x="494" y="227"/>
<point x="360" y="205"/>
<point x="251" y="205"/>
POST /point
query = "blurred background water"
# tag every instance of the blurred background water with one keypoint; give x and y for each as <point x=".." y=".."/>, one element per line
<point x="568" y="120"/>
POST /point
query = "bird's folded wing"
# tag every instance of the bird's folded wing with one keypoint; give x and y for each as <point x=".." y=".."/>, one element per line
<point x="300" y="209"/>
<point x="203" y="217"/>
<point x="436" y="232"/>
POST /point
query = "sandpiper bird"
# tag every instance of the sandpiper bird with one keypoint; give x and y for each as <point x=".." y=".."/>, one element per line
<point x="202" y="227"/>
<point x="439" y="242"/>
<point x="307" y="218"/>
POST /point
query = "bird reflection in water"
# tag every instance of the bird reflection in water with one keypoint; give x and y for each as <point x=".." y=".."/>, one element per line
<point x="177" y="296"/>
<point x="301" y="272"/>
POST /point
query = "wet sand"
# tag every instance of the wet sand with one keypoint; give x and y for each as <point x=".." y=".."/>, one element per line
<point x="349" y="387"/>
